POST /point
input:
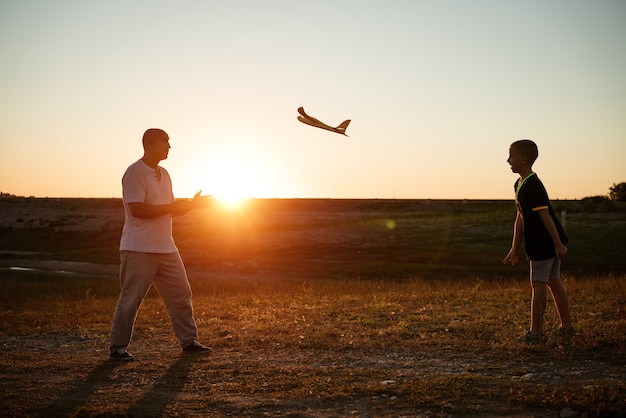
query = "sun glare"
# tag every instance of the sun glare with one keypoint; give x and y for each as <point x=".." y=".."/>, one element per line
<point x="233" y="178"/>
<point x="231" y="202"/>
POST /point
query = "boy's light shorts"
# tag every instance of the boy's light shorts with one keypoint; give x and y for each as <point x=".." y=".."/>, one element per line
<point x="543" y="270"/>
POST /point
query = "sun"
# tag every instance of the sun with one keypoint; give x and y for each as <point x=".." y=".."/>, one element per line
<point x="234" y="177"/>
<point x="231" y="203"/>
<point x="233" y="195"/>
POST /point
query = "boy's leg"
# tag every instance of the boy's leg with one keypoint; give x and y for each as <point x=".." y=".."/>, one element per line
<point x="560" y="296"/>
<point x="136" y="273"/>
<point x="173" y="286"/>
<point x="538" y="307"/>
<point x="539" y="274"/>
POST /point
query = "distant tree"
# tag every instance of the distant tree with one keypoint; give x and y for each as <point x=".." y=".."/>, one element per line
<point x="595" y="204"/>
<point x="618" y="192"/>
<point x="594" y="200"/>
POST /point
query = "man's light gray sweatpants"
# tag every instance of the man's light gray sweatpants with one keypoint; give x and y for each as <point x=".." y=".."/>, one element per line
<point x="166" y="271"/>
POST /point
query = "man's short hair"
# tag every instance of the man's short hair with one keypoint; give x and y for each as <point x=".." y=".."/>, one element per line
<point x="152" y="134"/>
<point x="527" y="148"/>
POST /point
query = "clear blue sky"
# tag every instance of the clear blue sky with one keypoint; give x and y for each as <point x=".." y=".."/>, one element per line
<point x="436" y="90"/>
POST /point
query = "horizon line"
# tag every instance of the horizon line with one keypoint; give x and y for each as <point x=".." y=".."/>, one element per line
<point x="10" y="196"/>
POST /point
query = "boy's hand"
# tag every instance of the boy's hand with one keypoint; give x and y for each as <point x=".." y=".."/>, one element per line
<point x="511" y="258"/>
<point x="560" y="250"/>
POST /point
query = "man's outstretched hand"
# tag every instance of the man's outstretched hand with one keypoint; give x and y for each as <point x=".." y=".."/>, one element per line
<point x="182" y="207"/>
<point x="200" y="201"/>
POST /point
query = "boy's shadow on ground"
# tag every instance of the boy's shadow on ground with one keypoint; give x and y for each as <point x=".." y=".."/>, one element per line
<point x="152" y="403"/>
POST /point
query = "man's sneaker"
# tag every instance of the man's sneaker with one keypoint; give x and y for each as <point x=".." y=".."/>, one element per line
<point x="531" y="338"/>
<point x="196" y="347"/>
<point x="121" y="355"/>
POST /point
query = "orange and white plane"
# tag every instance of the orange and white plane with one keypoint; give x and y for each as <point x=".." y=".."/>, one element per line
<point x="304" y="118"/>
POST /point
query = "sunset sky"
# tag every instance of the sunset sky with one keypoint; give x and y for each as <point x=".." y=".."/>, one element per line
<point x="436" y="90"/>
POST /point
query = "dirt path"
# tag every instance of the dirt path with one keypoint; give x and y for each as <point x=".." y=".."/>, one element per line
<point x="64" y="375"/>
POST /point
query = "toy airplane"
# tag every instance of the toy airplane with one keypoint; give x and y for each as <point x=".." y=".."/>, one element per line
<point x="304" y="118"/>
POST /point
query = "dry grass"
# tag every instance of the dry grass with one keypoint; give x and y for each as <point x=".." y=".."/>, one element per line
<point x="313" y="348"/>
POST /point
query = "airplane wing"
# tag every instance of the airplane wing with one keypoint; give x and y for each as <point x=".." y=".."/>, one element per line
<point x="309" y="120"/>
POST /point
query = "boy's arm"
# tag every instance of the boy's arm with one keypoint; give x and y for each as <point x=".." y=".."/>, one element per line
<point x="559" y="249"/>
<point x="518" y="234"/>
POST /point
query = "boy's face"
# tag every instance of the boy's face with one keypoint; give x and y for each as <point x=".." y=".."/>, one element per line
<point x="517" y="160"/>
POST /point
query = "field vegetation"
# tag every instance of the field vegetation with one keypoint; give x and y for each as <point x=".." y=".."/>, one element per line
<point x="312" y="308"/>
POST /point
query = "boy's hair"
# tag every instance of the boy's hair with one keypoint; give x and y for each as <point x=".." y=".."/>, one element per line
<point x="527" y="148"/>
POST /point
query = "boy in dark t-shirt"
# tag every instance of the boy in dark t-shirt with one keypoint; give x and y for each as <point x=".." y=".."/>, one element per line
<point x="544" y="237"/>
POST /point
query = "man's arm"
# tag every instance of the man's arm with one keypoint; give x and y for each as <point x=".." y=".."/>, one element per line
<point x="518" y="234"/>
<point x="145" y="210"/>
<point x="559" y="248"/>
<point x="178" y="208"/>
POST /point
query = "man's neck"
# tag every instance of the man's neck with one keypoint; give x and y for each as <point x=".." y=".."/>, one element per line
<point x="150" y="162"/>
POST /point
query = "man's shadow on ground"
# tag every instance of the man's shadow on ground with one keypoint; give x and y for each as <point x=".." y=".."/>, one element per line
<point x="152" y="403"/>
<point x="170" y="385"/>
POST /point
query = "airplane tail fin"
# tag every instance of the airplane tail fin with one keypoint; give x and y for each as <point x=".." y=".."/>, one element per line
<point x="343" y="126"/>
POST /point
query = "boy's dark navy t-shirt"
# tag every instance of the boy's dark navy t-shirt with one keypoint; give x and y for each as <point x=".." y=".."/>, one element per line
<point x="531" y="198"/>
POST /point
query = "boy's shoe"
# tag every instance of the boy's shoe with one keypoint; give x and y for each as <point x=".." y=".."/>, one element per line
<point x="122" y="355"/>
<point x="196" y="347"/>
<point x="565" y="333"/>
<point x="531" y="338"/>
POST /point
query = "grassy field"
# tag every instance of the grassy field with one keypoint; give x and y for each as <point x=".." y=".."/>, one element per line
<point x="315" y="308"/>
<point x="312" y="239"/>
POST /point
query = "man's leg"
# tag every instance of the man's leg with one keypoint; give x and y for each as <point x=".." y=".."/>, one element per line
<point x="173" y="286"/>
<point x="136" y="273"/>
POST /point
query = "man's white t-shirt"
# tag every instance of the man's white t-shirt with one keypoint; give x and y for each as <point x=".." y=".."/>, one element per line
<point x="140" y="184"/>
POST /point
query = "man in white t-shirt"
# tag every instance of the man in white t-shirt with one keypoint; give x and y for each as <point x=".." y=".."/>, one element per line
<point x="147" y="251"/>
